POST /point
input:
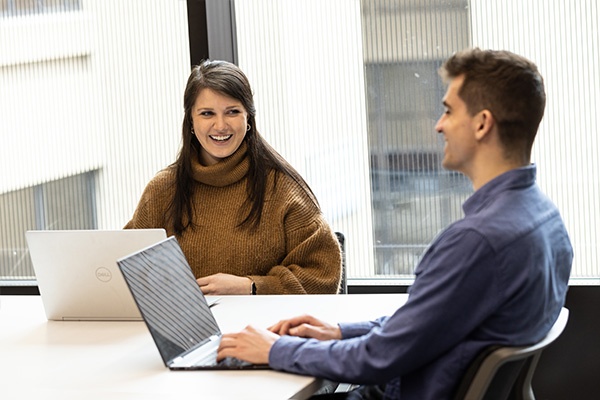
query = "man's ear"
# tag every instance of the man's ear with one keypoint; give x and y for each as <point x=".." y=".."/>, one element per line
<point x="484" y="122"/>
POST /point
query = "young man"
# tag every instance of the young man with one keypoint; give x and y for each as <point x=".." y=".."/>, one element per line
<point x="497" y="276"/>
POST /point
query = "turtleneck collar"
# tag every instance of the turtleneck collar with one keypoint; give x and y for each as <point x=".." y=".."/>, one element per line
<point x="224" y="173"/>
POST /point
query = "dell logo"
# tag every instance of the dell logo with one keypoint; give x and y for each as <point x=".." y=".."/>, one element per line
<point x="103" y="274"/>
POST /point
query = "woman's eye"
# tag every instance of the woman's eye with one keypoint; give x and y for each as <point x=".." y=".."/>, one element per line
<point x="206" y="113"/>
<point x="234" y="111"/>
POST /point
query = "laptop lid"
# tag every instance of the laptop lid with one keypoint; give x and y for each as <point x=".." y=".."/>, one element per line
<point x="173" y="306"/>
<point x="77" y="273"/>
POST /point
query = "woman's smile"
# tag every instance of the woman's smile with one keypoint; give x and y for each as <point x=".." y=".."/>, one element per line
<point x="220" y="124"/>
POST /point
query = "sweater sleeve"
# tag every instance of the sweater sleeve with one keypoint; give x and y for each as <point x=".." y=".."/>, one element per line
<point x="152" y="207"/>
<point x="312" y="259"/>
<point x="312" y="265"/>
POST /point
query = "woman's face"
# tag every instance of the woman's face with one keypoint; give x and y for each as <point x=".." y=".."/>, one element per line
<point x="220" y="124"/>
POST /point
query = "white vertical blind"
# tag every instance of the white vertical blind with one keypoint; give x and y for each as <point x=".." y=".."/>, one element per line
<point x="329" y="101"/>
<point x="347" y="90"/>
<point x="404" y="43"/>
<point x="91" y="104"/>
<point x="305" y="63"/>
<point x="562" y="38"/>
<point x="312" y="73"/>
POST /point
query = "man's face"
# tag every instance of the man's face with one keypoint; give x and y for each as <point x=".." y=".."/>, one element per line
<point x="458" y="128"/>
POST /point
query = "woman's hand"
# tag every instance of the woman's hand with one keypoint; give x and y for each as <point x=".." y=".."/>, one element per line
<point x="307" y="326"/>
<point x="219" y="284"/>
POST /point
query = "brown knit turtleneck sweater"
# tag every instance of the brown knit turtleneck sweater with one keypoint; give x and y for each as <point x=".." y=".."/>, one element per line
<point x="293" y="250"/>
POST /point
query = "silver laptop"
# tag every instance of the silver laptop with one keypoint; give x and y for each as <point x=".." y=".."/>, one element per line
<point x="174" y="308"/>
<point x="77" y="273"/>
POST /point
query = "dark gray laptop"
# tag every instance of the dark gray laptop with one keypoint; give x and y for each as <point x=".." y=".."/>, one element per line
<point x="174" y="308"/>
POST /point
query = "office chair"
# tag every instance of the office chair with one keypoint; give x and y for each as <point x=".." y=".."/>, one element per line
<point x="502" y="373"/>
<point x="343" y="285"/>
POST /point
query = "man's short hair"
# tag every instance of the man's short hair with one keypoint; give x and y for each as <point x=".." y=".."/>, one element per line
<point x="509" y="86"/>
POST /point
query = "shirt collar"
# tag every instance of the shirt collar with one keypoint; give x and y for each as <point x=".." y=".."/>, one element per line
<point x="513" y="179"/>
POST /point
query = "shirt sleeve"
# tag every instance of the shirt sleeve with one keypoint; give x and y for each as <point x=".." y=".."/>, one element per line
<point x="439" y="312"/>
<point x="354" y="329"/>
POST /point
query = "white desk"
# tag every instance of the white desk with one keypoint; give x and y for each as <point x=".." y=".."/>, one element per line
<point x="42" y="359"/>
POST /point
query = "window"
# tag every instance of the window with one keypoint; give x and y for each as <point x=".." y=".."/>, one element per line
<point x="16" y="8"/>
<point x="348" y="92"/>
<point x="91" y="107"/>
<point x="413" y="197"/>
<point x="351" y="99"/>
<point x="68" y="203"/>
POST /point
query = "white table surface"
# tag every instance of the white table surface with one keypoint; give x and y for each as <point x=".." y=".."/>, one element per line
<point x="42" y="359"/>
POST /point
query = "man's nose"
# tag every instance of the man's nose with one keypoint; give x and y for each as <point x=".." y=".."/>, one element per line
<point x="438" y="125"/>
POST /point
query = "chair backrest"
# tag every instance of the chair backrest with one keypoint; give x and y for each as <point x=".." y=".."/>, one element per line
<point x="501" y="373"/>
<point x="343" y="285"/>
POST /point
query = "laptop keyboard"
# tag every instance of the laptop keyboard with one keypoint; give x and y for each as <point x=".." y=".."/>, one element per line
<point x="233" y="363"/>
<point x="229" y="362"/>
<point x="209" y="358"/>
<point x="206" y="356"/>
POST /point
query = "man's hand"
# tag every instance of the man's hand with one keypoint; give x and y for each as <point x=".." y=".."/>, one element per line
<point x="219" y="284"/>
<point x="251" y="344"/>
<point x="307" y="326"/>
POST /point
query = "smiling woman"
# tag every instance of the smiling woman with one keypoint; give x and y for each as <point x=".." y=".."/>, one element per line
<point x="246" y="220"/>
<point x="220" y="125"/>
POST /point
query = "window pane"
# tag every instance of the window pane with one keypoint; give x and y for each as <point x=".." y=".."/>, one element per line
<point x="16" y="8"/>
<point x="91" y="108"/>
<point x="563" y="39"/>
<point x="413" y="197"/>
<point x="68" y="203"/>
<point x="348" y="92"/>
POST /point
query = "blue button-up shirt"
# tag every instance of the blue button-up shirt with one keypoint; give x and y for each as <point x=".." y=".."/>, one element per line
<point x="497" y="276"/>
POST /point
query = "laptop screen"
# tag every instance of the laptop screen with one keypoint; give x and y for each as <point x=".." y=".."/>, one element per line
<point x="169" y="298"/>
<point x="77" y="273"/>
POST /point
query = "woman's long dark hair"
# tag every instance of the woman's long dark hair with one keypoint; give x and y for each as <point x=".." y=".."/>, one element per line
<point x="228" y="79"/>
